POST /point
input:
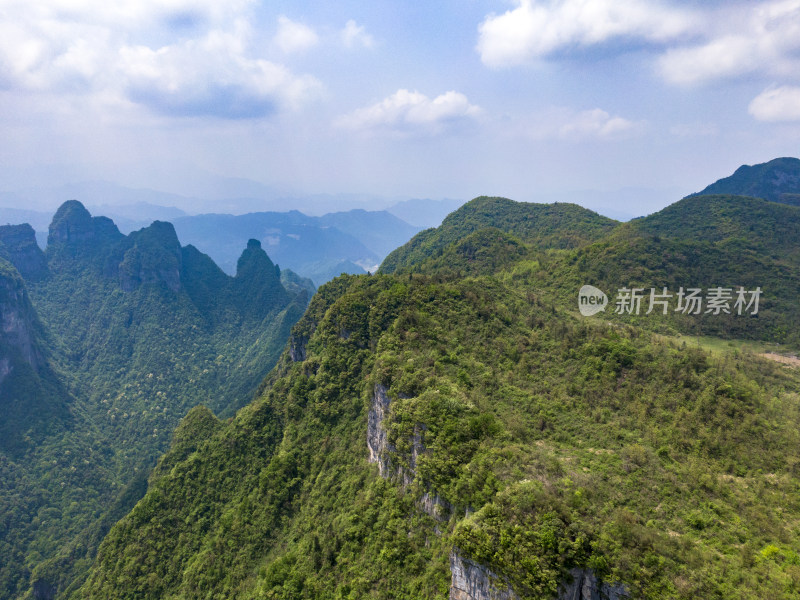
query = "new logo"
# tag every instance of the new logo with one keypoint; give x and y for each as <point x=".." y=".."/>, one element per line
<point x="591" y="300"/>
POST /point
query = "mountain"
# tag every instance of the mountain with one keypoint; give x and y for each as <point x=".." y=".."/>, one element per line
<point x="318" y="248"/>
<point x="30" y="393"/>
<point x="455" y="429"/>
<point x="108" y="341"/>
<point x="541" y="225"/>
<point x="777" y="181"/>
<point x="378" y="230"/>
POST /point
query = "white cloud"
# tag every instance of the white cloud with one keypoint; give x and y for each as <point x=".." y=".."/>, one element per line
<point x="175" y="57"/>
<point x="765" y="40"/>
<point x="560" y="123"/>
<point x="409" y="112"/>
<point x="537" y="29"/>
<point x="211" y="76"/>
<point x="596" y="123"/>
<point x="354" y="34"/>
<point x="294" y="37"/>
<point x="777" y="104"/>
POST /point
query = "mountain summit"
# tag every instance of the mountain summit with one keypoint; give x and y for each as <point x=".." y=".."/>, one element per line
<point x="777" y="181"/>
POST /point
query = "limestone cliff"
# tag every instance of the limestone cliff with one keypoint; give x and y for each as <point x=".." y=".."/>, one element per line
<point x="472" y="581"/>
<point x="18" y="245"/>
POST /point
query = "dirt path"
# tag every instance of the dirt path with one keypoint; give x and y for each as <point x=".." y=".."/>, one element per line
<point x="786" y="360"/>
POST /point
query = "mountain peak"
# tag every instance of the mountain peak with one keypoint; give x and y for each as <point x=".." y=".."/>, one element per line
<point x="257" y="283"/>
<point x="74" y="225"/>
<point x="152" y="254"/>
<point x="777" y="181"/>
<point x="18" y="245"/>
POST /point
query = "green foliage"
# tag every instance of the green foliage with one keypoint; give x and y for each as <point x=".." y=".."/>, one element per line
<point x="538" y="225"/>
<point x="548" y="442"/>
<point x="777" y="181"/>
<point x="134" y="332"/>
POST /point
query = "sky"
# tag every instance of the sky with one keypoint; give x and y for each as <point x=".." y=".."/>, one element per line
<point x="624" y="105"/>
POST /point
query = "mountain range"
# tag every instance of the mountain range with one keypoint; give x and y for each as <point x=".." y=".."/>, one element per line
<point x="316" y="248"/>
<point x="450" y="427"/>
<point x="107" y="340"/>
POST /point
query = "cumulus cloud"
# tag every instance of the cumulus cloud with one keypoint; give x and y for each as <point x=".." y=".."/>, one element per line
<point x="211" y="76"/>
<point x="537" y="29"/>
<point x="412" y="112"/>
<point x="777" y="104"/>
<point x="354" y="34"/>
<point x="294" y="37"/>
<point x="131" y="51"/>
<point x="767" y="40"/>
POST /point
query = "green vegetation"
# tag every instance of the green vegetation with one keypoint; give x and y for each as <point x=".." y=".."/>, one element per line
<point x="132" y="332"/>
<point x="550" y="441"/>
<point x="538" y="225"/>
<point x="519" y="434"/>
<point x="777" y="180"/>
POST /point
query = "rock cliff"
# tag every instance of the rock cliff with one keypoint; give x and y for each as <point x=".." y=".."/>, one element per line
<point x="472" y="581"/>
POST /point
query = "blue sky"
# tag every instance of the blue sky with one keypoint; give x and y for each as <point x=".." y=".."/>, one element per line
<point x="533" y="100"/>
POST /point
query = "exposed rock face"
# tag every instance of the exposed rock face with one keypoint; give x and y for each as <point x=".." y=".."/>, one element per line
<point x="19" y="243"/>
<point x="153" y="255"/>
<point x="42" y="590"/>
<point x="17" y="321"/>
<point x="297" y="352"/>
<point x="380" y="452"/>
<point x="73" y="227"/>
<point x="472" y="581"/>
<point x="585" y="586"/>
<point x="377" y="440"/>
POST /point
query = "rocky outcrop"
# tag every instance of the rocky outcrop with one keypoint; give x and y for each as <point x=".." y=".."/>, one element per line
<point x="42" y="590"/>
<point x="377" y="439"/>
<point x="17" y="319"/>
<point x="381" y="451"/>
<point x="18" y="244"/>
<point x="586" y="586"/>
<point x="472" y="581"/>
<point x="151" y="255"/>
<point x="257" y="285"/>
<point x="297" y="349"/>
<point x="74" y="228"/>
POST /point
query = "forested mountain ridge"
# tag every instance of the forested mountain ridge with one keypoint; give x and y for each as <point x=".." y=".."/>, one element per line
<point x="134" y="331"/>
<point x="557" y="225"/>
<point x="707" y="241"/>
<point x="458" y="430"/>
<point x="777" y="180"/>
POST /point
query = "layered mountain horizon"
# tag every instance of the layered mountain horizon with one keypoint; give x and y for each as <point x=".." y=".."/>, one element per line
<point x="107" y="340"/>
<point x="450" y="427"/>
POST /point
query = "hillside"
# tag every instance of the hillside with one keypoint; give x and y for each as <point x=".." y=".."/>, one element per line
<point x="538" y="225"/>
<point x="134" y="331"/>
<point x="777" y="181"/>
<point x="468" y="435"/>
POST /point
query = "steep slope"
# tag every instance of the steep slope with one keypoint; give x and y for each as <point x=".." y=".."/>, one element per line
<point x="32" y="403"/>
<point x="538" y="225"/>
<point x="137" y="330"/>
<point x="426" y="440"/>
<point x="777" y="181"/>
